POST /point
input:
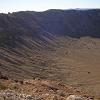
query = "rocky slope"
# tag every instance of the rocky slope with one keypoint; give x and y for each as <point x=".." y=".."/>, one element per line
<point x="40" y="90"/>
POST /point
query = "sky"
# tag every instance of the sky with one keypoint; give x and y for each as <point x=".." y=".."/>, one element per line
<point x="42" y="5"/>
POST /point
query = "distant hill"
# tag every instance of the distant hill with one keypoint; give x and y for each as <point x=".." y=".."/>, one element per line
<point x="75" y="23"/>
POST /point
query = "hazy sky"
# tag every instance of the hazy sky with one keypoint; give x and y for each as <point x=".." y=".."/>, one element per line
<point x="41" y="5"/>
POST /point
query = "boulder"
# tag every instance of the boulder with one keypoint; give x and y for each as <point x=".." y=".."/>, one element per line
<point x="74" y="97"/>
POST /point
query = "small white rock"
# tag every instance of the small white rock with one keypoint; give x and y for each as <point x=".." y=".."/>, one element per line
<point x="74" y="97"/>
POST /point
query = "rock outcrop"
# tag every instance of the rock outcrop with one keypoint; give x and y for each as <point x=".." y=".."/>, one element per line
<point x="41" y="90"/>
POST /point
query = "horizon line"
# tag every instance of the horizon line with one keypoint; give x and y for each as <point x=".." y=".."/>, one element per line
<point x="50" y="9"/>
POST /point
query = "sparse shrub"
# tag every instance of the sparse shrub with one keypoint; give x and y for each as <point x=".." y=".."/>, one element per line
<point x="55" y="98"/>
<point x="16" y="81"/>
<point x="3" y="76"/>
<point x="61" y="93"/>
<point x="2" y="86"/>
<point x="21" y="82"/>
